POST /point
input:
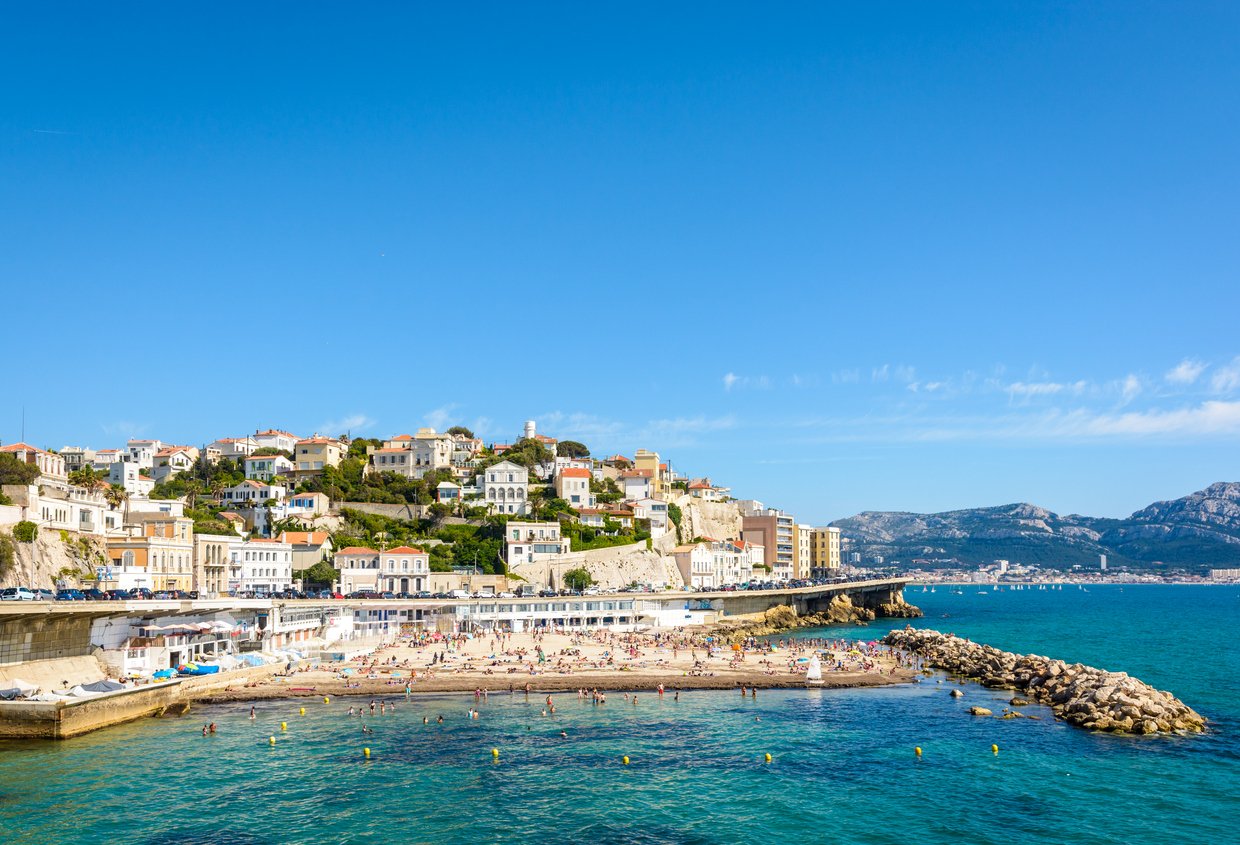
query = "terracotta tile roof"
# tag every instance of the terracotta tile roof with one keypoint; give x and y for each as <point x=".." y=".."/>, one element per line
<point x="404" y="550"/>
<point x="390" y="451"/>
<point x="636" y="473"/>
<point x="402" y="437"/>
<point x="232" y="515"/>
<point x="575" y="472"/>
<point x="357" y="550"/>
<point x="275" y="431"/>
<point x="305" y="538"/>
<point x="318" y="441"/>
<point x="20" y="447"/>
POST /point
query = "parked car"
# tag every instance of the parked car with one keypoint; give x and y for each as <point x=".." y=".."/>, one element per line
<point x="141" y="593"/>
<point x="70" y="595"/>
<point x="17" y="594"/>
<point x="95" y="594"/>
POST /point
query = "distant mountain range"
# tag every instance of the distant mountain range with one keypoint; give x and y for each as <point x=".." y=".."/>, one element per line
<point x="1198" y="531"/>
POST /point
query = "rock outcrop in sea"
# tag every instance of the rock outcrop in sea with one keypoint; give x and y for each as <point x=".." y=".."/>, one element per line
<point x="840" y="611"/>
<point x="1079" y="695"/>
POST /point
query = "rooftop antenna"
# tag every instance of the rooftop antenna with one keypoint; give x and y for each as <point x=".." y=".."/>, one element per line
<point x="23" y="440"/>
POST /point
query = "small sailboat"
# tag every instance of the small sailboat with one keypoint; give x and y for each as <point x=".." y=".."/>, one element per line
<point x="813" y="675"/>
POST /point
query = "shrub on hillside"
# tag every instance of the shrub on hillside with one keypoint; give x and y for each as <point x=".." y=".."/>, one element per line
<point x="25" y="531"/>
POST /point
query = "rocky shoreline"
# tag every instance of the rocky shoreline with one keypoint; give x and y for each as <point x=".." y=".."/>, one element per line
<point x="840" y="611"/>
<point x="1080" y="695"/>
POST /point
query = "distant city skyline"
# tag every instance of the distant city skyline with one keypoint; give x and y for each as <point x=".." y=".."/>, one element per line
<point x="837" y="259"/>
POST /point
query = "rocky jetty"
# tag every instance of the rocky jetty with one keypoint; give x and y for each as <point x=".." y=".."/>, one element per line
<point x="1080" y="695"/>
<point x="840" y="611"/>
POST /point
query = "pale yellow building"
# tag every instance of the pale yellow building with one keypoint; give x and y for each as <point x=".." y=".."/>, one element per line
<point x="158" y="552"/>
<point x="825" y="552"/>
<point x="314" y="453"/>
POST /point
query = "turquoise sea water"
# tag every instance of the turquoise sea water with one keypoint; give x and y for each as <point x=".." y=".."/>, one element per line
<point x="843" y="767"/>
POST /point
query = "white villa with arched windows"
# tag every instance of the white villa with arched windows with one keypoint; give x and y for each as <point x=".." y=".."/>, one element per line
<point x="505" y="488"/>
<point x="404" y="569"/>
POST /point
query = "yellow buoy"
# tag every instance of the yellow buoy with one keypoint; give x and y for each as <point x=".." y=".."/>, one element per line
<point x="626" y="760"/>
<point x="994" y="749"/>
<point x="326" y="700"/>
<point x="271" y="740"/>
<point x="366" y="751"/>
<point x="917" y="751"/>
<point x="494" y="752"/>
<point x="284" y="726"/>
<point x="301" y="712"/>
<point x="768" y="758"/>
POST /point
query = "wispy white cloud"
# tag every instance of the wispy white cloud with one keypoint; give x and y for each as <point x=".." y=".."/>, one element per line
<point x="125" y="428"/>
<point x="902" y="373"/>
<point x="733" y="381"/>
<point x="1031" y="389"/>
<point x="1226" y="379"/>
<point x="350" y="423"/>
<point x="852" y="376"/>
<point x="441" y="417"/>
<point x="1130" y="387"/>
<point x="1186" y="372"/>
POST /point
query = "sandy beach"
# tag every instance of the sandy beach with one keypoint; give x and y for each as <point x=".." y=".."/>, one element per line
<point x="548" y="662"/>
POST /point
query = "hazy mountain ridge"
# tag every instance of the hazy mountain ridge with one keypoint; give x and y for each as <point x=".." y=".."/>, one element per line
<point x="1201" y="529"/>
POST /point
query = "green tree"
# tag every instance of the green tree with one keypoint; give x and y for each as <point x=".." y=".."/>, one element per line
<point x="25" y="531"/>
<point x="86" y="477"/>
<point x="271" y="450"/>
<point x="461" y="430"/>
<point x="8" y="555"/>
<point x="577" y="579"/>
<point x="675" y="515"/>
<point x="13" y="471"/>
<point x="572" y="449"/>
<point x="321" y="574"/>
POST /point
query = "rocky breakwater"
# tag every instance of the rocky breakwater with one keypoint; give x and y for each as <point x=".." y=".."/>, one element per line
<point x="840" y="611"/>
<point x="1079" y="695"/>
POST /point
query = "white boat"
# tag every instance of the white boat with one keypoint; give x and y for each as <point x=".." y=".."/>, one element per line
<point x="813" y="675"/>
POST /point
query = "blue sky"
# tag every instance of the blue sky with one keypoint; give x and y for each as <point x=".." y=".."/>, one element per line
<point x="883" y="256"/>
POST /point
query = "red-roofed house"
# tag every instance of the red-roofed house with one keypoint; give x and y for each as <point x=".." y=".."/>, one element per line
<point x="573" y="486"/>
<point x="309" y="547"/>
<point x="49" y="465"/>
<point x="359" y="568"/>
<point x="404" y="569"/>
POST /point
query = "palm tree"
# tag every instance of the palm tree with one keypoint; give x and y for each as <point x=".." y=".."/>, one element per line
<point x="116" y="496"/>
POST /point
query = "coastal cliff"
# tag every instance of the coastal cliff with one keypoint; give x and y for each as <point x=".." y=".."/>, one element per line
<point x="1080" y="695"/>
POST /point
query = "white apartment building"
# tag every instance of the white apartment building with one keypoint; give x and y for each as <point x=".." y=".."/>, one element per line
<point x="654" y="510"/>
<point x="711" y="564"/>
<point x="251" y="493"/>
<point x="273" y="438"/>
<point x="127" y="474"/>
<point x="505" y="488"/>
<point x="67" y="508"/>
<point x="267" y="467"/>
<point x="141" y="452"/>
<point x="526" y="542"/>
<point x="260" y="566"/>
<point x="104" y="458"/>
<point x="170" y="460"/>
<point x="637" y="484"/>
<point x="234" y="448"/>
